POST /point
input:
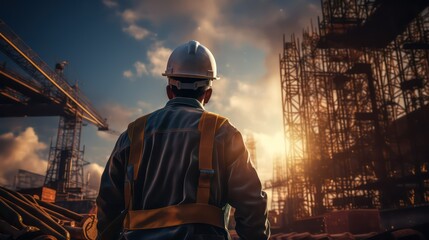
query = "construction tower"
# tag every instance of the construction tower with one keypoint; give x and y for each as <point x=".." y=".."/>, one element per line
<point x="355" y="96"/>
<point x="41" y="91"/>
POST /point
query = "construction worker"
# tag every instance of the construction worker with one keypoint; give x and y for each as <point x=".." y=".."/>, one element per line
<point x="174" y="172"/>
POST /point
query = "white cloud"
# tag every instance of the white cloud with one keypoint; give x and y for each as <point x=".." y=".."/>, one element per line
<point x="119" y="116"/>
<point x="21" y="152"/>
<point x="269" y="147"/>
<point x="158" y="57"/>
<point x="107" y="136"/>
<point x="221" y="90"/>
<point x="128" y="74"/>
<point x="130" y="16"/>
<point x="110" y="3"/>
<point x="256" y="109"/>
<point x="145" y="106"/>
<point x="93" y="174"/>
<point x="137" y="32"/>
<point x="140" y="68"/>
<point x="254" y="105"/>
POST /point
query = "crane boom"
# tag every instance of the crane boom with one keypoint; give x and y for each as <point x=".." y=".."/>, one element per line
<point x="24" y="56"/>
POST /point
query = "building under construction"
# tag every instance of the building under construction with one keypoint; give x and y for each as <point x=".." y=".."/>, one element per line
<point x="355" y="94"/>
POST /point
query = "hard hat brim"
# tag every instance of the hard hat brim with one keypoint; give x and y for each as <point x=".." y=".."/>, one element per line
<point x="190" y="76"/>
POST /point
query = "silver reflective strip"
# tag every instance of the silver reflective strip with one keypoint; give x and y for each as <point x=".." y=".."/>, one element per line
<point x="192" y="86"/>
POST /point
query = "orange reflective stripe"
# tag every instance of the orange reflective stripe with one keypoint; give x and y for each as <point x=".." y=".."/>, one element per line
<point x="136" y="135"/>
<point x="127" y="193"/>
<point x="137" y="143"/>
<point x="209" y="124"/>
<point x="207" y="129"/>
<point x="173" y="216"/>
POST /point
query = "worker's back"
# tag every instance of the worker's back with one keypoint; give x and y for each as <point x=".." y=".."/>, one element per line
<point x="169" y="170"/>
<point x="186" y="170"/>
<point x="168" y="173"/>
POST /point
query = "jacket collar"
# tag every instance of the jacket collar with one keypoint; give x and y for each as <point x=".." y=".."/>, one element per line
<point x="180" y="101"/>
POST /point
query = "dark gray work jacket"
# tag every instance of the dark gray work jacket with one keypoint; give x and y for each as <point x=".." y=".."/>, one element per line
<point x="168" y="175"/>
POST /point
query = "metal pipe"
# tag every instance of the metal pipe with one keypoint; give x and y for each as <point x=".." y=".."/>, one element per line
<point x="12" y="216"/>
<point x="24" y="207"/>
<point x="63" y="211"/>
<point x="89" y="226"/>
<point x="36" y="222"/>
<point x="49" y="211"/>
<point x="57" y="216"/>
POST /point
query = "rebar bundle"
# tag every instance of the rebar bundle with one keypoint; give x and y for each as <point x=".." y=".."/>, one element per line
<point x="24" y="217"/>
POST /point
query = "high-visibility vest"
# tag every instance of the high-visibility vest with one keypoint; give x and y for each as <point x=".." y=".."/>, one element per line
<point x="200" y="211"/>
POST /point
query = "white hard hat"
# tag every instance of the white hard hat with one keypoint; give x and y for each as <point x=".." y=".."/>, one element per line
<point x="191" y="60"/>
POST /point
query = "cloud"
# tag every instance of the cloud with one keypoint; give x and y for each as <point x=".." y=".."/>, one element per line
<point x="120" y="116"/>
<point x="22" y="151"/>
<point x="128" y="74"/>
<point x="130" y="16"/>
<point x="93" y="174"/>
<point x="140" y="68"/>
<point x="145" y="107"/>
<point x="251" y="105"/>
<point x="110" y="3"/>
<point x="137" y="32"/>
<point x="268" y="147"/>
<point x="158" y="57"/>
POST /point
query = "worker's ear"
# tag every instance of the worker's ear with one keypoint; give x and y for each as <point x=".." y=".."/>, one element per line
<point x="207" y="95"/>
<point x="170" y="93"/>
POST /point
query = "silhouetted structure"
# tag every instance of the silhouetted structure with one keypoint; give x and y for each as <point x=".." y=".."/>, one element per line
<point x="355" y="97"/>
<point x="45" y="92"/>
<point x="25" y="179"/>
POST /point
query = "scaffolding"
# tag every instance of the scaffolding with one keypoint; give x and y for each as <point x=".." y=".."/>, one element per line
<point x="66" y="162"/>
<point x="355" y="96"/>
<point x="26" y="179"/>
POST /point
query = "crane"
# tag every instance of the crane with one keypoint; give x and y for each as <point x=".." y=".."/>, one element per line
<point x="43" y="91"/>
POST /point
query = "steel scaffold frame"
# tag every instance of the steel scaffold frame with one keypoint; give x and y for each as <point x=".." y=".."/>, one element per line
<point x="355" y="115"/>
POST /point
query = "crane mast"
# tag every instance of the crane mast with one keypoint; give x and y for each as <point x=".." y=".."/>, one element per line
<point x="45" y="92"/>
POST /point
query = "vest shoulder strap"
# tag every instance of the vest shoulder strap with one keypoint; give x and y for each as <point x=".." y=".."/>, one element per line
<point x="209" y="124"/>
<point x="136" y="135"/>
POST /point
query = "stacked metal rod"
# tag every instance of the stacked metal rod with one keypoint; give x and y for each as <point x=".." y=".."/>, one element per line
<point x="24" y="217"/>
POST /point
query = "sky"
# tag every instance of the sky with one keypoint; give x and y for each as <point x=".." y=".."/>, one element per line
<point x="117" y="50"/>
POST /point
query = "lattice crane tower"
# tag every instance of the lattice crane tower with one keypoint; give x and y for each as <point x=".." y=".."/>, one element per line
<point x="45" y="92"/>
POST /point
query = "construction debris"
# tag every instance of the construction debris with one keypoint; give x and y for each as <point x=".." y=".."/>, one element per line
<point x="24" y="217"/>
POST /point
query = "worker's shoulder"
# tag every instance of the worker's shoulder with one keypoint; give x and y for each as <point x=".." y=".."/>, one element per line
<point x="144" y="118"/>
<point x="225" y="125"/>
<point x="221" y="119"/>
<point x="123" y="142"/>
